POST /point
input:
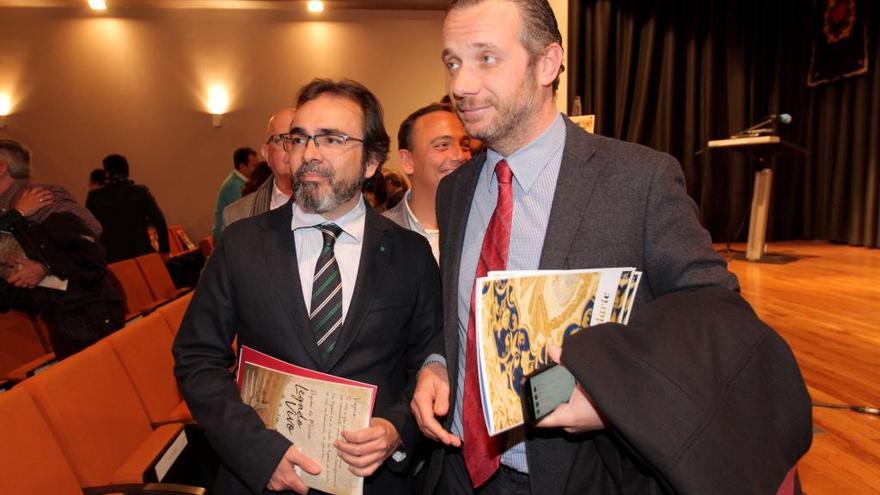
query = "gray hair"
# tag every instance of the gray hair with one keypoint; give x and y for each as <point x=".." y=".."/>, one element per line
<point x="17" y="157"/>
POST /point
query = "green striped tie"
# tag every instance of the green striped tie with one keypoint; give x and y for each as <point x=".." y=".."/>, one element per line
<point x="326" y="309"/>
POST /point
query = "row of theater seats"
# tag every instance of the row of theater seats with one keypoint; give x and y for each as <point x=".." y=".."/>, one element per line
<point x="24" y="340"/>
<point x="145" y="284"/>
<point x="109" y="415"/>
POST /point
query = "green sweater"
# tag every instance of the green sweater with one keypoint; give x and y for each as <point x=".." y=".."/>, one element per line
<point x="230" y="191"/>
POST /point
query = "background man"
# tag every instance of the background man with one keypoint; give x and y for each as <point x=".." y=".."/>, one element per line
<point x="431" y="144"/>
<point x="696" y="395"/>
<point x="375" y="310"/>
<point x="59" y="238"/>
<point x="244" y="162"/>
<point x="277" y="189"/>
<point x="125" y="210"/>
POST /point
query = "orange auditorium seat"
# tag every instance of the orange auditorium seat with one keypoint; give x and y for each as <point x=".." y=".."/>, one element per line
<point x="158" y="279"/>
<point x="96" y="415"/>
<point x="174" y="311"/>
<point x="31" y="458"/>
<point x="21" y="348"/>
<point x="138" y="298"/>
<point x="144" y="348"/>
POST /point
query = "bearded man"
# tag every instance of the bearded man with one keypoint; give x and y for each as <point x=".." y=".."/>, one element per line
<point x="324" y="283"/>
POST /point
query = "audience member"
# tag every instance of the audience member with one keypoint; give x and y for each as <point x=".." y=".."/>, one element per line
<point x="276" y="191"/>
<point x="258" y="178"/>
<point x="244" y="161"/>
<point x="695" y="395"/>
<point x="376" y="192"/>
<point x="316" y="242"/>
<point x="475" y="144"/>
<point x="431" y="143"/>
<point x="125" y="210"/>
<point x="59" y="272"/>
<point x="97" y="178"/>
<point x="395" y="185"/>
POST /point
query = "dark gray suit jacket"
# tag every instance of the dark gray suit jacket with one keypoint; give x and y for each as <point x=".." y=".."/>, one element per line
<point x="251" y="289"/>
<point x="621" y="204"/>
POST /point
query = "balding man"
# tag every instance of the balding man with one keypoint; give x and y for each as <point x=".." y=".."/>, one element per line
<point x="277" y="189"/>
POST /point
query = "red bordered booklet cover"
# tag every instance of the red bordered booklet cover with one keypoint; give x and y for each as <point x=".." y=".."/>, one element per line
<point x="310" y="408"/>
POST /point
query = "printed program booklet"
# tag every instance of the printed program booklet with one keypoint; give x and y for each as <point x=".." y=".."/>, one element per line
<point x="310" y="409"/>
<point x="519" y="312"/>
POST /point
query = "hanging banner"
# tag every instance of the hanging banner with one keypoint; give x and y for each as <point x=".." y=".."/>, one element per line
<point x="840" y="40"/>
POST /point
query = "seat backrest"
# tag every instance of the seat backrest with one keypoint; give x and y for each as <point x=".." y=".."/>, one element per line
<point x="144" y="348"/>
<point x="31" y="458"/>
<point x="174" y="311"/>
<point x="156" y="275"/>
<point x="206" y="245"/>
<point x="94" y="411"/>
<point x="19" y="341"/>
<point x="137" y="293"/>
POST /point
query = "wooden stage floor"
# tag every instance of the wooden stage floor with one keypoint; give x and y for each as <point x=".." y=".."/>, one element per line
<point x="827" y="307"/>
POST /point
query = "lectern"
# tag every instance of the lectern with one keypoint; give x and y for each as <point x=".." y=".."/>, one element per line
<point x="759" y="149"/>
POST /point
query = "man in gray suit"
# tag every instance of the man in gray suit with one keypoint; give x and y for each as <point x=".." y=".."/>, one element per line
<point x="695" y="395"/>
<point x="431" y="144"/>
<point x="277" y="189"/>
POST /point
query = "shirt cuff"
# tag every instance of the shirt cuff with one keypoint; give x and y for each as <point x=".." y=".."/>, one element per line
<point x="434" y="358"/>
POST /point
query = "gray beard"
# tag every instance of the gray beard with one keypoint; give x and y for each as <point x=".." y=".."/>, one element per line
<point x="314" y="197"/>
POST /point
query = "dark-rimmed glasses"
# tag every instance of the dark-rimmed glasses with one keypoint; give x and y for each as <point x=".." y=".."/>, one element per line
<point x="328" y="141"/>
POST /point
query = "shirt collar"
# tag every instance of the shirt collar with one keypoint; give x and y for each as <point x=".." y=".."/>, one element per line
<point x="239" y="174"/>
<point x="352" y="223"/>
<point x="278" y="197"/>
<point x="411" y="217"/>
<point x="528" y="162"/>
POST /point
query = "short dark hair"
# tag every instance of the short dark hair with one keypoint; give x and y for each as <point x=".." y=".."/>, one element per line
<point x="116" y="165"/>
<point x="241" y="156"/>
<point x="98" y="176"/>
<point x="376" y="140"/>
<point x="404" y="134"/>
<point x="540" y="28"/>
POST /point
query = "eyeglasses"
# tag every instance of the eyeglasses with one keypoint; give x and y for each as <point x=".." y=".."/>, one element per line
<point x="275" y="138"/>
<point x="330" y="141"/>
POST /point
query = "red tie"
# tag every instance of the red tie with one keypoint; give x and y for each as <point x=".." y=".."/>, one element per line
<point x="482" y="453"/>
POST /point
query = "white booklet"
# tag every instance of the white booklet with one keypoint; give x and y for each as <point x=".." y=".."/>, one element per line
<point x="9" y="248"/>
<point x="519" y="312"/>
<point x="310" y="409"/>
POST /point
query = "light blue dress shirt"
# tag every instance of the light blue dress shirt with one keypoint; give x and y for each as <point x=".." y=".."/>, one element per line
<point x="347" y="250"/>
<point x="535" y="170"/>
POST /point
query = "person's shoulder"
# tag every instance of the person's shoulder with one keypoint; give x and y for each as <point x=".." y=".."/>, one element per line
<point x="397" y="213"/>
<point x="622" y="156"/>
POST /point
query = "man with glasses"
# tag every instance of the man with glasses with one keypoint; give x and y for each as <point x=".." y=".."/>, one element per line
<point x="324" y="283"/>
<point x="276" y="191"/>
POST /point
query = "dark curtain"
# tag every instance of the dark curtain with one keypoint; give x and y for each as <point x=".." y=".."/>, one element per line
<point x="675" y="74"/>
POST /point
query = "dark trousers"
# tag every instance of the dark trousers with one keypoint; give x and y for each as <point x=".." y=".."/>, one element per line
<point x="455" y="480"/>
<point x="73" y="331"/>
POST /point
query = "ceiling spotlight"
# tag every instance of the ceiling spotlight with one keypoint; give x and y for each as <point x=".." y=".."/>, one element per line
<point x="98" y="4"/>
<point x="316" y="6"/>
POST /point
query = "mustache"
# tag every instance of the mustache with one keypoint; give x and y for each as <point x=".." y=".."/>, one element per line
<point x="314" y="167"/>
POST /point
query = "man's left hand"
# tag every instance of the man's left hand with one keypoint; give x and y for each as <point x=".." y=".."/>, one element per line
<point x="29" y="275"/>
<point x="365" y="450"/>
<point x="579" y="414"/>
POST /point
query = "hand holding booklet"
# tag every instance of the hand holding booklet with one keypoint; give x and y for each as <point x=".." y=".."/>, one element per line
<point x="519" y="312"/>
<point x="310" y="409"/>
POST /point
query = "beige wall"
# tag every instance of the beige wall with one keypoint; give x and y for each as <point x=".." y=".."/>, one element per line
<point x="84" y="86"/>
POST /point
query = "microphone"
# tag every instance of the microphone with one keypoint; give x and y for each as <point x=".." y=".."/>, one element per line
<point x="766" y="125"/>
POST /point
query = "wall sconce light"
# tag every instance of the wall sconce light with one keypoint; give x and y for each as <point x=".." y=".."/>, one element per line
<point x="98" y="4"/>
<point x="218" y="103"/>
<point x="5" y="109"/>
<point x="315" y="6"/>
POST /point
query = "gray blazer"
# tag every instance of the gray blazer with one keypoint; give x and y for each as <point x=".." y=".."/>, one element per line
<point x="251" y="205"/>
<point x="620" y="204"/>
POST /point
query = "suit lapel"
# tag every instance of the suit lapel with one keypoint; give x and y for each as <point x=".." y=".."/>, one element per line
<point x="578" y="175"/>
<point x="374" y="258"/>
<point x="463" y="190"/>
<point x="279" y="251"/>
